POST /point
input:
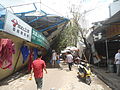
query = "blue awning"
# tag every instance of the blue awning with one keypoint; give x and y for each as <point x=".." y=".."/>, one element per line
<point x="42" y="21"/>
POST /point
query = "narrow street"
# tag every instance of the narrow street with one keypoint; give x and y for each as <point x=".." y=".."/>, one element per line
<point x="56" y="79"/>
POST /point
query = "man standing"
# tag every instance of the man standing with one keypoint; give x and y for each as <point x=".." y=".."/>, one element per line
<point x="69" y="59"/>
<point x="117" y="62"/>
<point x="54" y="58"/>
<point x="37" y="67"/>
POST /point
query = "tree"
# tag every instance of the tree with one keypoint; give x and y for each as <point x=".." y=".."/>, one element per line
<point x="80" y="22"/>
<point x="68" y="37"/>
<point x="73" y="31"/>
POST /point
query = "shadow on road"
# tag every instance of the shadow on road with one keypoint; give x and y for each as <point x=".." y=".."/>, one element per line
<point x="14" y="76"/>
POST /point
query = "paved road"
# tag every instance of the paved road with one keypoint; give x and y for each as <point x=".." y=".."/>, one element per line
<point x="56" y="78"/>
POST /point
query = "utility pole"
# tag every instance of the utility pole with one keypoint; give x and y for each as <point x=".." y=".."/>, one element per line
<point x="40" y="4"/>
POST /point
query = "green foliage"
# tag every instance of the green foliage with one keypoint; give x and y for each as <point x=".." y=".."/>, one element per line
<point x="68" y="37"/>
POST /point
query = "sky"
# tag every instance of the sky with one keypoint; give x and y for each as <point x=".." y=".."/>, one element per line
<point x="96" y="10"/>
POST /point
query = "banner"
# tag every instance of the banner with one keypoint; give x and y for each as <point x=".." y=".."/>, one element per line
<point x="17" y="27"/>
<point x="39" y="39"/>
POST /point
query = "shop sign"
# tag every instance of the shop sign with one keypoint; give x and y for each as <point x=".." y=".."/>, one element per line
<point x="17" y="27"/>
<point x="39" y="39"/>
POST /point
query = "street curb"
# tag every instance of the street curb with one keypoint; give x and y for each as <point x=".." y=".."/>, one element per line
<point x="106" y="80"/>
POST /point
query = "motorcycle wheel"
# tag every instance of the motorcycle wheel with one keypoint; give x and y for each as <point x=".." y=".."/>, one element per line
<point x="88" y="80"/>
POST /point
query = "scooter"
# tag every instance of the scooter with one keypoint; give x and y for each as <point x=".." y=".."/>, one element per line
<point x="84" y="72"/>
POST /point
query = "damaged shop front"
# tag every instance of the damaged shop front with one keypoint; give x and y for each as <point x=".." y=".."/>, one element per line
<point x="19" y="44"/>
<point x="105" y="42"/>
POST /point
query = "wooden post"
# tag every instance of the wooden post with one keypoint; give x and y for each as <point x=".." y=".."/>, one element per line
<point x="18" y="58"/>
<point x="16" y="61"/>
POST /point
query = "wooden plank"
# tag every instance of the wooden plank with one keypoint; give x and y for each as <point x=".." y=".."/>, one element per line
<point x="113" y="30"/>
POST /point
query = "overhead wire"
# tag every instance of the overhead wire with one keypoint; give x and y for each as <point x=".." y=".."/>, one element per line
<point x="52" y="9"/>
<point x="21" y="5"/>
<point x="35" y="3"/>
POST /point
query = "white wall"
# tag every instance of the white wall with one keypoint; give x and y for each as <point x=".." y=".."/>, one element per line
<point x="114" y="7"/>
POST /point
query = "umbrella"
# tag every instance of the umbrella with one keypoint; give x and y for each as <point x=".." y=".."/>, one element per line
<point x="72" y="48"/>
<point x="65" y="51"/>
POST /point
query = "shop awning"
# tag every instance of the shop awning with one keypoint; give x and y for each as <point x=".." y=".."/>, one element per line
<point x="13" y="27"/>
<point x="114" y="19"/>
<point x="40" y="20"/>
<point x="47" y="24"/>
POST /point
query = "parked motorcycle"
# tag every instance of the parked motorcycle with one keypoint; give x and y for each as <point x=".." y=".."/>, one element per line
<point x="84" y="72"/>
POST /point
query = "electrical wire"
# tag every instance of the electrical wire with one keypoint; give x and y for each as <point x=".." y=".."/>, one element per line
<point x="35" y="3"/>
<point x="52" y="9"/>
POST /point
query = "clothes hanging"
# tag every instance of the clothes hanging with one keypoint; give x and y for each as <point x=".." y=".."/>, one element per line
<point x="30" y="60"/>
<point x="35" y="53"/>
<point x="7" y="48"/>
<point x="25" y="52"/>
